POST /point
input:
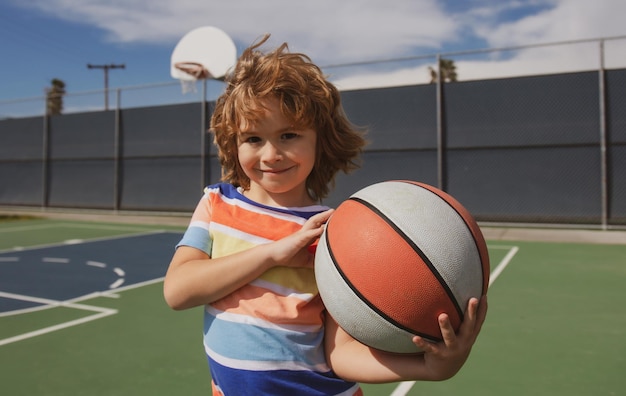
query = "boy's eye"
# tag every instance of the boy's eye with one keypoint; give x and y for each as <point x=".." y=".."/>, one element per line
<point x="289" y="135"/>
<point x="252" y="139"/>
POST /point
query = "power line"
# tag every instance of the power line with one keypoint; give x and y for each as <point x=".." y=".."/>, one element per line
<point x="106" y="78"/>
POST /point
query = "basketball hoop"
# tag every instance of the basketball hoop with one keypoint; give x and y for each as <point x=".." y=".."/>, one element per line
<point x="202" y="54"/>
<point x="195" y="71"/>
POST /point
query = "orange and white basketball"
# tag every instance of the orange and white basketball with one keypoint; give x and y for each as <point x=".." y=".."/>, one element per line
<point x="394" y="256"/>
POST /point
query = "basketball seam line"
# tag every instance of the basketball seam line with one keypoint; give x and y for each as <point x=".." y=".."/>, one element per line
<point x="364" y="299"/>
<point x="417" y="250"/>
<point x="474" y="238"/>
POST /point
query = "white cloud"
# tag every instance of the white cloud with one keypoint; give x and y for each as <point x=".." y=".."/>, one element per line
<point x="552" y="21"/>
<point x="565" y="20"/>
<point x="335" y="32"/>
<point x="325" y="29"/>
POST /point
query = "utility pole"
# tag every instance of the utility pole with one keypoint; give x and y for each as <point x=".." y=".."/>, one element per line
<point x="106" y="78"/>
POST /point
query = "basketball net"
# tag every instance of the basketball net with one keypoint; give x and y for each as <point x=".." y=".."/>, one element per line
<point x="188" y="86"/>
<point x="194" y="70"/>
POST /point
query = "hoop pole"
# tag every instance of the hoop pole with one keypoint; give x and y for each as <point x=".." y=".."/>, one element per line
<point x="203" y="139"/>
<point x="603" y="139"/>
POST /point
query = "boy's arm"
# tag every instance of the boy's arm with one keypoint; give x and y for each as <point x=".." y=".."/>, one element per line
<point x="354" y="361"/>
<point x="193" y="278"/>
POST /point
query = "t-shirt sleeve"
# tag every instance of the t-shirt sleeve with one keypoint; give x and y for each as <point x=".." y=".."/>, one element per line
<point x="197" y="234"/>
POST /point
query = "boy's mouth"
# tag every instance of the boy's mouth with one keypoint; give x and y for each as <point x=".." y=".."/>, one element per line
<point x="275" y="171"/>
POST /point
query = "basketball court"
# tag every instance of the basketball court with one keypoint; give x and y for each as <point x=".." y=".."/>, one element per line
<point x="82" y="308"/>
<point x="82" y="312"/>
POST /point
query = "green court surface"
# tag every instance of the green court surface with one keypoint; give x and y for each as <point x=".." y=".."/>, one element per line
<point x="556" y="326"/>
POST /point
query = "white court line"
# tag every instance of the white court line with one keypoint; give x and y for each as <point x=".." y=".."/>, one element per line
<point x="55" y="260"/>
<point x="108" y="238"/>
<point x="116" y="284"/>
<point x="71" y="225"/>
<point x="503" y="263"/>
<point x="96" y="264"/>
<point x="61" y="326"/>
<point x="47" y="304"/>
<point x="404" y="387"/>
<point x="27" y="228"/>
<point x="101" y="313"/>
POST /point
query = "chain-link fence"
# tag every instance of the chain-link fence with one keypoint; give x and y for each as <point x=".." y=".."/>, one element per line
<point x="518" y="138"/>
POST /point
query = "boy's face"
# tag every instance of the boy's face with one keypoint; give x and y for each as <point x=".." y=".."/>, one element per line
<point x="277" y="158"/>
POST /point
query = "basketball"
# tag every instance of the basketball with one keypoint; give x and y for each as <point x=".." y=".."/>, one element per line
<point x="393" y="257"/>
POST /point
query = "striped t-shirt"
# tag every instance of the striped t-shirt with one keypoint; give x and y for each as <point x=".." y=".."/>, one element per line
<point x="266" y="338"/>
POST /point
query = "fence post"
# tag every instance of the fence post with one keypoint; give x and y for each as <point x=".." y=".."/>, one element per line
<point x="441" y="154"/>
<point x="117" y="149"/>
<point x="45" y="157"/>
<point x="603" y="139"/>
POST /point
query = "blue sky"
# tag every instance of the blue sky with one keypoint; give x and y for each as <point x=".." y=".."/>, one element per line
<point x="45" y="39"/>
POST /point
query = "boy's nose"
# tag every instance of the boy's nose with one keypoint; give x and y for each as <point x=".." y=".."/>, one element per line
<point x="271" y="153"/>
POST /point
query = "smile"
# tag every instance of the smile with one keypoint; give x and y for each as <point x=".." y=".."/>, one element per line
<point x="275" y="171"/>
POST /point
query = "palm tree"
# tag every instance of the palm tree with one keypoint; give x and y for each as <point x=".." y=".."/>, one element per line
<point x="54" y="97"/>
<point x="448" y="71"/>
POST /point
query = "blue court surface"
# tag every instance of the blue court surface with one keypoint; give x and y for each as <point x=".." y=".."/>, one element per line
<point x="69" y="271"/>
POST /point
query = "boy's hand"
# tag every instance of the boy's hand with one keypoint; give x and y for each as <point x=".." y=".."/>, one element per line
<point x="444" y="359"/>
<point x="293" y="250"/>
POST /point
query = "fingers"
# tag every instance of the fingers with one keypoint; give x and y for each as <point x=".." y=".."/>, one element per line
<point x="470" y="327"/>
<point x="481" y="314"/>
<point x="482" y="308"/>
<point x="321" y="218"/>
<point x="424" y="345"/>
<point x="470" y="313"/>
<point x="316" y="223"/>
<point x="477" y="311"/>
<point x="474" y="318"/>
<point x="447" y="331"/>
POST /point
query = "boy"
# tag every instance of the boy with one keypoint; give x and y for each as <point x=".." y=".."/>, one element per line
<point x="282" y="136"/>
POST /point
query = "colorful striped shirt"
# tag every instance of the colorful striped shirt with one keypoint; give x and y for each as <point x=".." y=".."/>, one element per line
<point x="266" y="338"/>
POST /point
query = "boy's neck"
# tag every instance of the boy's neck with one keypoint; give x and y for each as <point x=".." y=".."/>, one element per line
<point x="291" y="199"/>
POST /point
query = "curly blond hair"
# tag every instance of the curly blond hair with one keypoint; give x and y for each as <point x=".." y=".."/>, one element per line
<point x="306" y="98"/>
